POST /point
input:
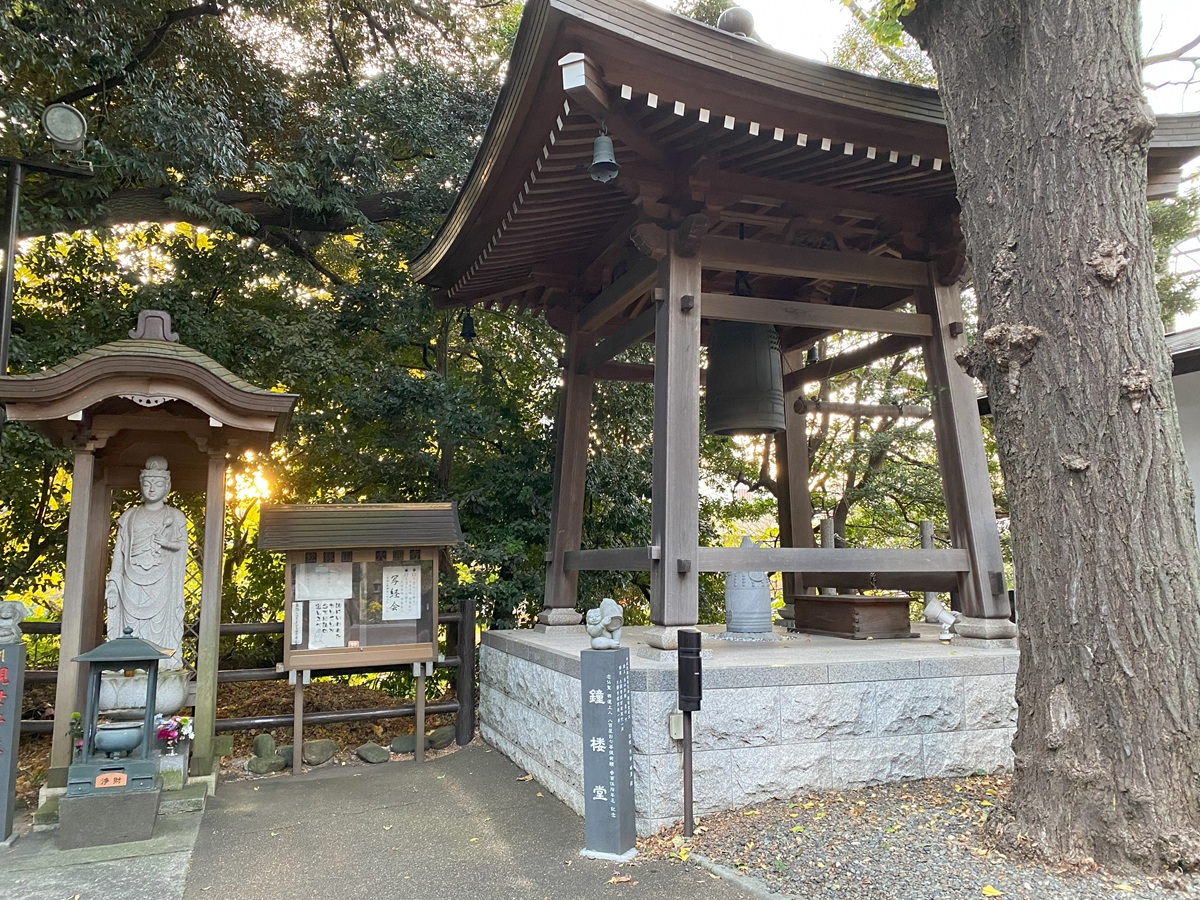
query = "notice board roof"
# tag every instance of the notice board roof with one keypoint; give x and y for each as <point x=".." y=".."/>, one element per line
<point x="346" y="525"/>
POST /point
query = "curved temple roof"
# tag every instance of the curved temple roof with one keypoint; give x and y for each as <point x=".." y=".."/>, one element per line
<point x="701" y="117"/>
<point x="150" y="370"/>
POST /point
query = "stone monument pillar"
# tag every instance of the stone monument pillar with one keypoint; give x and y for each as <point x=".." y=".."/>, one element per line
<point x="12" y="682"/>
<point x="609" y="828"/>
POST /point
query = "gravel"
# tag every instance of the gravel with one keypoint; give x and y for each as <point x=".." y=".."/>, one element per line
<point x="923" y="840"/>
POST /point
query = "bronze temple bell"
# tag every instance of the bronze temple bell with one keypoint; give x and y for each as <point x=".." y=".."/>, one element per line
<point x="744" y="392"/>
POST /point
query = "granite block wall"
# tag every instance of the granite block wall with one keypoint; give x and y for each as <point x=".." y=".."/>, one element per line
<point x="764" y="732"/>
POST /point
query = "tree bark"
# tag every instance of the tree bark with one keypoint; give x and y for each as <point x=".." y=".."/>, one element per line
<point x="1048" y="136"/>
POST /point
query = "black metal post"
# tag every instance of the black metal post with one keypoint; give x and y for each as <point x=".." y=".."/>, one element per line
<point x="689" y="817"/>
<point x="12" y="205"/>
<point x="690" y="696"/>
<point x="464" y="721"/>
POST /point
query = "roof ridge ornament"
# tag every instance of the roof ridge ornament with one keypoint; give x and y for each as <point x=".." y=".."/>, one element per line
<point x="738" y="20"/>
<point x="154" y="325"/>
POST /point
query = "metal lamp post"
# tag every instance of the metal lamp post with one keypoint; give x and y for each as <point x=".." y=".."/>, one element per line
<point x="66" y="128"/>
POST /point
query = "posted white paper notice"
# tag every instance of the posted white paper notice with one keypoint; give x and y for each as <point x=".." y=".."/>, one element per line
<point x="401" y="593"/>
<point x="324" y="581"/>
<point x="326" y="624"/>
<point x="297" y="624"/>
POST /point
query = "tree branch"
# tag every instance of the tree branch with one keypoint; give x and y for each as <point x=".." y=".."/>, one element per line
<point x="205" y="8"/>
<point x="285" y="240"/>
<point x="1173" y="55"/>
<point x="864" y="22"/>
<point x="128" y="207"/>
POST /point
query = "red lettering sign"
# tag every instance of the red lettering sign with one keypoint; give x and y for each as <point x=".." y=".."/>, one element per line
<point x="110" y="779"/>
<point x="3" y="674"/>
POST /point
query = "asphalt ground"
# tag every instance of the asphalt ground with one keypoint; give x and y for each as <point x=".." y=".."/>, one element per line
<point x="460" y="827"/>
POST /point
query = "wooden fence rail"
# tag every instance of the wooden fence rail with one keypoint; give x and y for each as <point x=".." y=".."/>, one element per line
<point x="460" y="635"/>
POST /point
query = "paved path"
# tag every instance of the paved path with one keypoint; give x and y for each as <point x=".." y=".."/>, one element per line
<point x="35" y="869"/>
<point x="461" y="827"/>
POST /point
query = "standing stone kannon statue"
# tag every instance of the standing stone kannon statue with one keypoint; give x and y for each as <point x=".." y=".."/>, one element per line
<point x="144" y="589"/>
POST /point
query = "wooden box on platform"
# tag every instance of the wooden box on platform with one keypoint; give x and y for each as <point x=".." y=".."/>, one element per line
<point x="855" y="616"/>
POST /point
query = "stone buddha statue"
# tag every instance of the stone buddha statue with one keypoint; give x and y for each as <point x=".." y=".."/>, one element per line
<point x="144" y="588"/>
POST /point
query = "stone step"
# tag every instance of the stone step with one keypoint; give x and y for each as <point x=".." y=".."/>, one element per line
<point x="190" y="798"/>
<point x="46" y="815"/>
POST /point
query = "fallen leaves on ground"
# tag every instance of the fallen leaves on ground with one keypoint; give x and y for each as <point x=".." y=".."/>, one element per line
<point x="243" y="699"/>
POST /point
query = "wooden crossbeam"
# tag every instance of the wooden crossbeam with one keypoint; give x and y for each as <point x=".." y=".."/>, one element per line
<point x="642" y="373"/>
<point x="890" y="345"/>
<point x="812" y="315"/>
<point x="616" y="371"/>
<point x="723" y="187"/>
<point x="633" y="332"/>
<point x="732" y="254"/>
<point x="933" y="570"/>
<point x="864" y="410"/>
<point x="614" y="559"/>
<point x="611" y="301"/>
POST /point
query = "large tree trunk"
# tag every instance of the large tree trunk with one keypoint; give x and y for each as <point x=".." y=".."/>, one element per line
<point x="1049" y="134"/>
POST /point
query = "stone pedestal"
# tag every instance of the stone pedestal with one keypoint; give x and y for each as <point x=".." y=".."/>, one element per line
<point x="173" y="767"/>
<point x="106" y="819"/>
<point x="972" y="632"/>
<point x="557" y="617"/>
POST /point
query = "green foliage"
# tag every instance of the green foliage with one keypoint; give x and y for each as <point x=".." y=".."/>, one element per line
<point x="858" y="50"/>
<point x="1172" y="222"/>
<point x="883" y="19"/>
<point x="706" y="11"/>
<point x="307" y="106"/>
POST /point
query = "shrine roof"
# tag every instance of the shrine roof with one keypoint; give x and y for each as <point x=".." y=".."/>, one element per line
<point x="134" y="350"/>
<point x="150" y="369"/>
<point x="783" y="147"/>
<point x="325" y="526"/>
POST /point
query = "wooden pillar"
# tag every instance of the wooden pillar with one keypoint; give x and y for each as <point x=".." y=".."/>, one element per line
<point x="674" y="586"/>
<point x="795" y="503"/>
<point x="209" y="644"/>
<point x="97" y="561"/>
<point x="572" y="426"/>
<point x="961" y="457"/>
<point x="77" y="623"/>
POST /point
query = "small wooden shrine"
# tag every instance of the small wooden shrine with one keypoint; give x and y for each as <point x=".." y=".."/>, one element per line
<point x="115" y="406"/>
<point x="750" y="186"/>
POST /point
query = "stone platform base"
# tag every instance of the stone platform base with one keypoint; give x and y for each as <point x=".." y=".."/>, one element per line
<point x="778" y="718"/>
<point x="106" y="819"/>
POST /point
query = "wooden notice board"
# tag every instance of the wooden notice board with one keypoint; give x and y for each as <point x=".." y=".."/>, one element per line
<point x="361" y="580"/>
